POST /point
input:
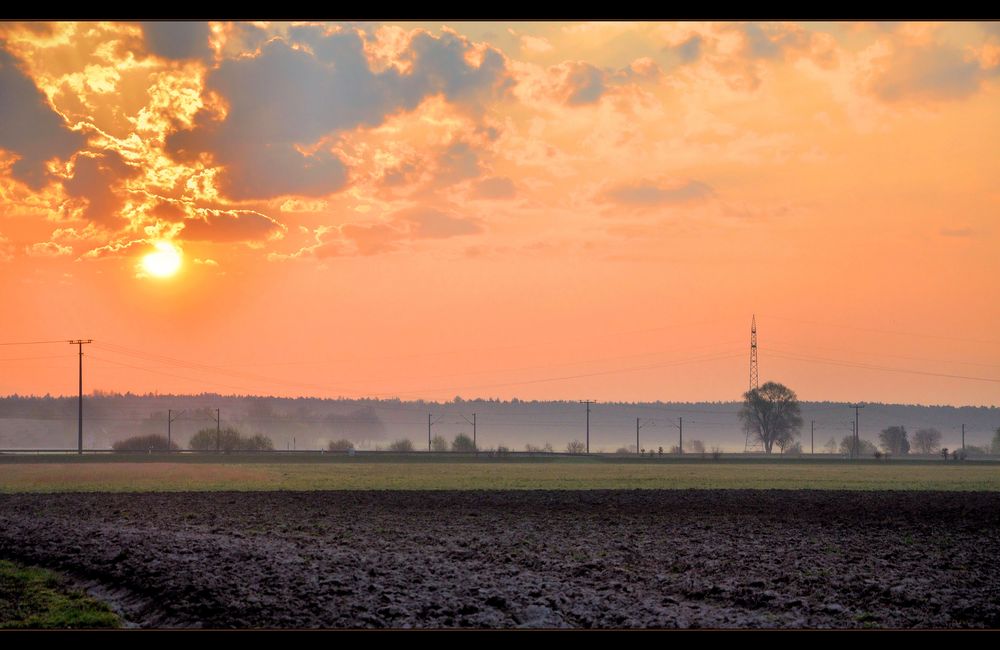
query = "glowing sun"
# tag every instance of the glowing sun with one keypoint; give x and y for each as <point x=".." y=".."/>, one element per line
<point x="164" y="262"/>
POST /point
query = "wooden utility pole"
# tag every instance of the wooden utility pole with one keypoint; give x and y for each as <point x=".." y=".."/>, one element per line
<point x="170" y="421"/>
<point x="218" y="431"/>
<point x="812" y="444"/>
<point x="857" y="434"/>
<point x="80" y="343"/>
<point x="588" y="402"/>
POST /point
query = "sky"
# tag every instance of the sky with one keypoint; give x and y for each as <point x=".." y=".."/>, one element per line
<point x="534" y="210"/>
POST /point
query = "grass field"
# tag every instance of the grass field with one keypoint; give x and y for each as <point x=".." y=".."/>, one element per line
<point x="122" y="474"/>
<point x="37" y="598"/>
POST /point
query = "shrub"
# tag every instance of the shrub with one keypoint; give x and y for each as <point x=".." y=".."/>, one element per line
<point x="438" y="443"/>
<point x="229" y="439"/>
<point x="973" y="451"/>
<point x="144" y="443"/>
<point x="462" y="442"/>
<point x="865" y="447"/>
<point x="340" y="445"/>
<point x="403" y="444"/>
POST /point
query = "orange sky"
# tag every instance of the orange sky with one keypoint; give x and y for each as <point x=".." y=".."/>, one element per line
<point x="540" y="210"/>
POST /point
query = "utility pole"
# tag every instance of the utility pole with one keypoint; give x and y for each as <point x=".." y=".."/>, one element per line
<point x="170" y="421"/>
<point x="475" y="446"/>
<point x="80" y="343"/>
<point x="812" y="446"/>
<point x="680" y="444"/>
<point x="428" y="432"/>
<point x="963" y="437"/>
<point x="218" y="431"/>
<point x="857" y="441"/>
<point x="588" y="402"/>
<point x="637" y="436"/>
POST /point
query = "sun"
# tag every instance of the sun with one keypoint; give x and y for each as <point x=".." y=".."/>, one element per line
<point x="164" y="262"/>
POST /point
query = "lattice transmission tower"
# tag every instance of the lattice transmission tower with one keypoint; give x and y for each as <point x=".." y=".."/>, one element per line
<point x="754" y="378"/>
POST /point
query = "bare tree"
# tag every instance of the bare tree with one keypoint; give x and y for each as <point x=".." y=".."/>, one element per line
<point x="831" y="445"/>
<point x="772" y="414"/>
<point x="698" y="447"/>
<point x="438" y="443"/>
<point x="927" y="441"/>
<point x="576" y="447"/>
<point x="893" y="441"/>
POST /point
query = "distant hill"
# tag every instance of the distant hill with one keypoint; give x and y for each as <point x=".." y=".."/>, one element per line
<point x="310" y="423"/>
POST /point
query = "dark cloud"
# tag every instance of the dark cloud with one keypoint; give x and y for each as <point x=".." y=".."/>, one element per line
<point x="230" y="226"/>
<point x="456" y="163"/>
<point x="759" y="43"/>
<point x="649" y="193"/>
<point x="690" y="50"/>
<point x="177" y="40"/>
<point x="430" y="223"/>
<point x="29" y="127"/>
<point x="930" y="73"/>
<point x="585" y="84"/>
<point x="169" y="211"/>
<point x="285" y="100"/>
<point x="498" y="187"/>
<point x="97" y="178"/>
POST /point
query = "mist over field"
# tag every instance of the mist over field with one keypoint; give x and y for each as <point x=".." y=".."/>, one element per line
<point x="309" y="423"/>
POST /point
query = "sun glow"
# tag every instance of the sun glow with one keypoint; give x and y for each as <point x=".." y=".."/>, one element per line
<point x="164" y="262"/>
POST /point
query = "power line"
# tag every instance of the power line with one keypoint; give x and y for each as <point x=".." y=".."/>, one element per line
<point x="881" y="331"/>
<point x="898" y="356"/>
<point x="34" y="342"/>
<point x="834" y="362"/>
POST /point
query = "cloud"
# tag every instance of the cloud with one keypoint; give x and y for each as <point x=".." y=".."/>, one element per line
<point x="29" y="127"/>
<point x="6" y="249"/>
<point x="456" y="163"/>
<point x="284" y="105"/>
<point x="934" y="72"/>
<point x="690" y="50"/>
<point x="206" y="262"/>
<point x="230" y="226"/>
<point x="760" y="44"/>
<point x="649" y="193"/>
<point x="582" y="83"/>
<point x="536" y="44"/>
<point x="48" y="249"/>
<point x="371" y="239"/>
<point x="430" y="223"/>
<point x="178" y="40"/>
<point x="959" y="232"/>
<point x="98" y="179"/>
<point x="114" y="249"/>
<point x="497" y="187"/>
